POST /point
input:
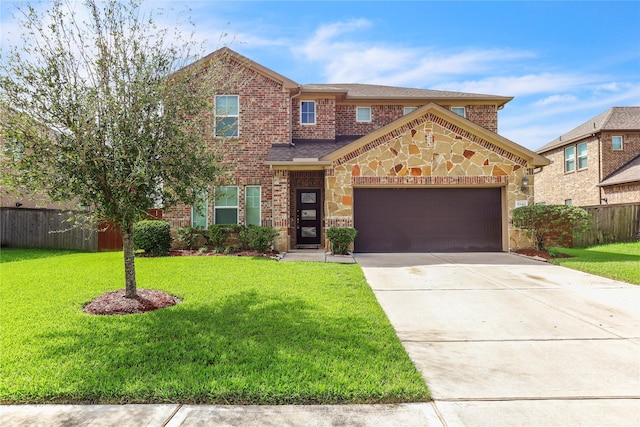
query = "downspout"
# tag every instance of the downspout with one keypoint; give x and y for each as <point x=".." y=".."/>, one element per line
<point x="291" y="115"/>
<point x="599" y="168"/>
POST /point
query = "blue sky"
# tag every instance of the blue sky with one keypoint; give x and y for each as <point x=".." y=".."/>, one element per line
<point x="563" y="62"/>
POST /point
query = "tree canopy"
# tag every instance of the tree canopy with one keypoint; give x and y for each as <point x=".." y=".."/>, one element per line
<point x="104" y="110"/>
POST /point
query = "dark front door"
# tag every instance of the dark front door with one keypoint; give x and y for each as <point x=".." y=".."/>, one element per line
<point x="308" y="217"/>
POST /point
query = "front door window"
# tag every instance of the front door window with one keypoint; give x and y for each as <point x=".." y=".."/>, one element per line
<point x="308" y="224"/>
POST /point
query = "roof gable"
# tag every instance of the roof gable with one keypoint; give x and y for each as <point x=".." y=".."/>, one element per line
<point x="450" y="121"/>
<point x="615" y="118"/>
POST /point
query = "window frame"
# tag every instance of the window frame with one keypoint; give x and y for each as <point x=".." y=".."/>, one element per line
<point x="584" y="156"/>
<point x="221" y="116"/>
<point x="246" y="204"/>
<point x="358" y="109"/>
<point x="216" y="207"/>
<point x="464" y="111"/>
<point x="303" y="113"/>
<point x="571" y="159"/>
<point x="205" y="203"/>
<point x="613" y="148"/>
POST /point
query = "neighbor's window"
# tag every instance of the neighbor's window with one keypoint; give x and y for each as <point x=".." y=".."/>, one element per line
<point x="408" y="110"/>
<point x="568" y="202"/>
<point x="308" y="112"/>
<point x="363" y="114"/>
<point x="252" y="205"/>
<point x="199" y="211"/>
<point x="461" y="111"/>
<point x="570" y="159"/>
<point x="582" y="155"/>
<point x="225" y="210"/>
<point x="227" y="115"/>
<point x="616" y="143"/>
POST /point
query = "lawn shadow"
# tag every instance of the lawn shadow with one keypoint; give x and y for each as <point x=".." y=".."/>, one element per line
<point x="248" y="348"/>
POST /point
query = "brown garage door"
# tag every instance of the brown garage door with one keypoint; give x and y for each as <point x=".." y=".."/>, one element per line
<point x="428" y="219"/>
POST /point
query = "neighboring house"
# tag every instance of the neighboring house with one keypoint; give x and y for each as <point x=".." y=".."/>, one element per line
<point x="596" y="163"/>
<point x="412" y="170"/>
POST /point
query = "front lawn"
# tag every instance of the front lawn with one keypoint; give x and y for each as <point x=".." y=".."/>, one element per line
<point x="249" y="331"/>
<point x="620" y="261"/>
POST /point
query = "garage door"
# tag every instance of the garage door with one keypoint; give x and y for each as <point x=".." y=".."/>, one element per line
<point x="428" y="219"/>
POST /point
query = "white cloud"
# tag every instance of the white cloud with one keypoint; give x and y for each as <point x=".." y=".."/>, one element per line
<point x="556" y="99"/>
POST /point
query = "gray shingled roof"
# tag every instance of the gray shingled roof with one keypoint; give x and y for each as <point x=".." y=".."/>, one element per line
<point x="307" y="148"/>
<point x="627" y="173"/>
<point x="366" y="91"/>
<point x="615" y="118"/>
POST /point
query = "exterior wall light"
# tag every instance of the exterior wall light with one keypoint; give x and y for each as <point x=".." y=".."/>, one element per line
<point x="525" y="184"/>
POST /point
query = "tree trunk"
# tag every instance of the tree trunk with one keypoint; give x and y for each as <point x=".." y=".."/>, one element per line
<point x="129" y="261"/>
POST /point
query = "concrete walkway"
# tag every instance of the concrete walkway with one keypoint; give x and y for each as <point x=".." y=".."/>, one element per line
<point x="505" y="340"/>
<point x="500" y="339"/>
<point x="316" y="255"/>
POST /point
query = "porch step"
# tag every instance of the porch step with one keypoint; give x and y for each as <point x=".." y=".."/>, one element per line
<point x="308" y="246"/>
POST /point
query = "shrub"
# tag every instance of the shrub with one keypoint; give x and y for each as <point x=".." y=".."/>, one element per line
<point x="544" y="221"/>
<point x="152" y="237"/>
<point x="192" y="237"/>
<point x="258" y="238"/>
<point x="218" y="234"/>
<point x="341" y="239"/>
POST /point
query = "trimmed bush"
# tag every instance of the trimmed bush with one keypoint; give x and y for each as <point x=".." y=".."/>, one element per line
<point x="153" y="237"/>
<point x="192" y="237"/>
<point x="218" y="234"/>
<point x="258" y="238"/>
<point x="341" y="238"/>
<point x="558" y="223"/>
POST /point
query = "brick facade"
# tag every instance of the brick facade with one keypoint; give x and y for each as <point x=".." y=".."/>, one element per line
<point x="554" y="186"/>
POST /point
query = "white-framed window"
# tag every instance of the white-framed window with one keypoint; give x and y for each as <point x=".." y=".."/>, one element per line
<point x="570" y="159"/>
<point x="308" y="112"/>
<point x="616" y="143"/>
<point x="199" y="211"/>
<point x="227" y="112"/>
<point x="582" y="155"/>
<point x="408" y="110"/>
<point x="225" y="210"/>
<point x="363" y="114"/>
<point x="252" y="213"/>
<point x="461" y="111"/>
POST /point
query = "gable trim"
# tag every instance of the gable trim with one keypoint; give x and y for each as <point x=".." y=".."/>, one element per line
<point x="450" y="121"/>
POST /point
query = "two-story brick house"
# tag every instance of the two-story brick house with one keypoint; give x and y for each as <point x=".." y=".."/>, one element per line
<point x="412" y="169"/>
<point x="596" y="163"/>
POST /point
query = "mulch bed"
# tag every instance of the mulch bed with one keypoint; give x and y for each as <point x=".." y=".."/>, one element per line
<point x="116" y="303"/>
<point x="540" y="254"/>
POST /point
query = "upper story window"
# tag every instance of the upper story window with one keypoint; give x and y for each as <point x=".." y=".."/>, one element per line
<point x="461" y="111"/>
<point x="570" y="159"/>
<point x="363" y="114"/>
<point x="308" y="112"/>
<point x="227" y="115"/>
<point x="582" y="155"/>
<point x="616" y="143"/>
<point x="408" y="110"/>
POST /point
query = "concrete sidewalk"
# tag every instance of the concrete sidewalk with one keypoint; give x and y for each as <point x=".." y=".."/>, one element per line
<point x="316" y="255"/>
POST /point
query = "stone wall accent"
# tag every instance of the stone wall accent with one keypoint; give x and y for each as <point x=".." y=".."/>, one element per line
<point x="428" y="151"/>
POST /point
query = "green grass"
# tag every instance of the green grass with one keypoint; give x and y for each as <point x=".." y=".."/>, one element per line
<point x="249" y="331"/>
<point x="13" y="254"/>
<point x="620" y="261"/>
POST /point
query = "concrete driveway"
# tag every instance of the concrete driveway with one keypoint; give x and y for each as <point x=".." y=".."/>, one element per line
<point x="505" y="340"/>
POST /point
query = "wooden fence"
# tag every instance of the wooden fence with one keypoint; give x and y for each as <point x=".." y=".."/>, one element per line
<point x="44" y="228"/>
<point x="610" y="224"/>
